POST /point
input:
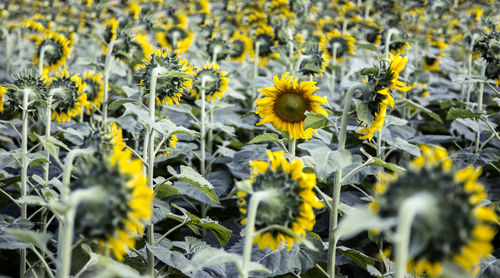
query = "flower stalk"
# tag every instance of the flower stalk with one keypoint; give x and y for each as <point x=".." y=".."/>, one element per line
<point x="203" y="127"/>
<point x="333" y="236"/>
<point x="48" y="122"/>
<point x="335" y="46"/>
<point x="480" y="102"/>
<point x="107" y="64"/>
<point x="24" y="171"/>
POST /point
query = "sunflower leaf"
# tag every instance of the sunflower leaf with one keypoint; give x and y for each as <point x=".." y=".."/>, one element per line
<point x="266" y="137"/>
<point x="315" y="121"/>
<point x="189" y="175"/>
<point x="423" y="109"/>
<point x="461" y="113"/>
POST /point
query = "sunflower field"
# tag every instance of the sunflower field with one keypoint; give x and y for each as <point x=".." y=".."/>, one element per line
<point x="250" y="138"/>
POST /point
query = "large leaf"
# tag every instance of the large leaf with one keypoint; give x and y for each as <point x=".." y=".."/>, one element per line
<point x="361" y="219"/>
<point x="189" y="175"/>
<point x="266" y="137"/>
<point x="315" y="121"/>
<point x="365" y="262"/>
<point x="423" y="109"/>
<point x="461" y="113"/>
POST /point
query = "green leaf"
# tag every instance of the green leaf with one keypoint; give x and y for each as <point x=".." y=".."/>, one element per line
<point x="445" y="104"/>
<point x="315" y="121"/>
<point x="361" y="219"/>
<point x="328" y="161"/>
<point x="363" y="112"/>
<point x="178" y="74"/>
<point x="182" y="107"/>
<point x="266" y="137"/>
<point x="462" y="113"/>
<point x="423" y="109"/>
<point x="390" y="166"/>
<point x="189" y="175"/>
<point x="166" y="190"/>
<point x="211" y="257"/>
<point x="365" y="262"/>
<point x="117" y="103"/>
<point x="221" y="233"/>
<point x="37" y="239"/>
<point x="490" y="267"/>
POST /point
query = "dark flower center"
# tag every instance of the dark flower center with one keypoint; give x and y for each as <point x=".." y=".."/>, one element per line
<point x="290" y="107"/>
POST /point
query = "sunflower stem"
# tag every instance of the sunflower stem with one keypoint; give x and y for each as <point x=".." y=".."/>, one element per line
<point x="252" y="214"/>
<point x="297" y="64"/>
<point x="7" y="49"/>
<point x="333" y="236"/>
<point x="24" y="171"/>
<point x="67" y="223"/>
<point x="335" y="46"/>
<point x="214" y="55"/>
<point x="41" y="58"/>
<point x="291" y="146"/>
<point x="379" y="142"/>
<point x="412" y="206"/>
<point x="367" y="11"/>
<point x="469" y="70"/>
<point x="107" y="62"/>
<point x="48" y="122"/>
<point x="480" y="102"/>
<point x="255" y="73"/>
<point x="202" y="127"/>
<point x="151" y="162"/>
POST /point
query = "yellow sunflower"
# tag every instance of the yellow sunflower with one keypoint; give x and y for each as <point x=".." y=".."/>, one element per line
<point x="94" y="89"/>
<point x="296" y="199"/>
<point x="240" y="46"/>
<point x="57" y="50"/>
<point x="390" y="80"/>
<point x="344" y="42"/>
<point x="69" y="96"/>
<point x="3" y="90"/>
<point x="264" y="36"/>
<point x="284" y="105"/>
<point x="110" y="25"/>
<point x="171" y="34"/>
<point x="461" y="238"/>
<point x="216" y="82"/>
<point x="33" y="25"/>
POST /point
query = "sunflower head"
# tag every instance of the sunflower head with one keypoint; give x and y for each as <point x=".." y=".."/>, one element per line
<point x="175" y="37"/>
<point x="133" y="49"/>
<point x="493" y="72"/>
<point x="290" y="200"/>
<point x="172" y="86"/>
<point x="109" y="35"/>
<point x="314" y="62"/>
<point x="68" y="96"/>
<point x="459" y="230"/>
<point x="216" y="82"/>
<point x="56" y="50"/>
<point x="489" y="47"/>
<point x="264" y="37"/>
<point x="284" y="105"/>
<point x="123" y="204"/>
<point x="217" y="44"/>
<point x="343" y="44"/>
<point x="380" y="79"/>
<point x="94" y="89"/>
<point x="239" y="46"/>
<point x="25" y="80"/>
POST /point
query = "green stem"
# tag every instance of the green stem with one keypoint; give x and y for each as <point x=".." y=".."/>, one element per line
<point x="151" y="161"/>
<point x="42" y="57"/>
<point x="469" y="70"/>
<point x="335" y="46"/>
<point x="480" y="102"/>
<point x="24" y="170"/>
<point x="379" y="142"/>
<point x="68" y="221"/>
<point x="107" y="62"/>
<point x="367" y="11"/>
<point x="202" y="127"/>
<point x="255" y="74"/>
<point x="291" y="146"/>
<point x="7" y="49"/>
<point x="252" y="214"/>
<point x="48" y="122"/>
<point x="390" y="32"/>
<point x="333" y="237"/>
<point x="412" y="206"/>
<point x="297" y="64"/>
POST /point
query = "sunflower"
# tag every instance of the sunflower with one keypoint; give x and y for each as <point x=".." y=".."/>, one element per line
<point x="114" y="218"/>
<point x="109" y="35"/>
<point x="3" y="90"/>
<point x="169" y="89"/>
<point x="459" y="231"/>
<point x="24" y="80"/>
<point x="431" y="63"/>
<point x="57" y="50"/>
<point x="239" y="46"/>
<point x="215" y="82"/>
<point x="293" y="204"/>
<point x="218" y="44"/>
<point x="285" y="104"/>
<point x="33" y="26"/>
<point x="133" y="49"/>
<point x="69" y="96"/>
<point x="134" y="10"/>
<point x="264" y="36"/>
<point x="314" y="62"/>
<point x="344" y="42"/>
<point x="94" y="89"/>
<point x="171" y="34"/>
<point x="377" y="99"/>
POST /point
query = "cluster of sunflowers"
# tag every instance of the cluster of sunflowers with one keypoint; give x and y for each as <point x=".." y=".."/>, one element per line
<point x="249" y="138"/>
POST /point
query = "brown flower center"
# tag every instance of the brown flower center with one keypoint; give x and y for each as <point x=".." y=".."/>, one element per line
<point x="291" y="106"/>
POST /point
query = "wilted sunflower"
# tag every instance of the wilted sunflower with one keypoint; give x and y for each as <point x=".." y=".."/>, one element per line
<point x="94" y="89"/>
<point x="344" y="42"/>
<point x="290" y="203"/>
<point x="239" y="46"/>
<point x="169" y="88"/>
<point x="116" y="216"/>
<point x="285" y="104"/>
<point x="174" y="37"/>
<point x="57" y="50"/>
<point x="381" y="80"/>
<point x="68" y="95"/>
<point x="459" y="230"/>
<point x="215" y="82"/>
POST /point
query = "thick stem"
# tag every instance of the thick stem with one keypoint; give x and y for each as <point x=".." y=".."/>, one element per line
<point x="480" y="102"/>
<point x="106" y="82"/>
<point x="379" y="142"/>
<point x="24" y="171"/>
<point x="252" y="213"/>
<point x="297" y="64"/>
<point x="7" y="49"/>
<point x="367" y="11"/>
<point x="412" y="206"/>
<point x="469" y="70"/>
<point x="335" y="46"/>
<point x="151" y="161"/>
<point x="202" y="128"/>
<point x="333" y="237"/>
<point x="291" y="146"/>
<point x="67" y="224"/>
<point x="41" y="58"/>
<point x="388" y="38"/>
<point x="255" y="74"/>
